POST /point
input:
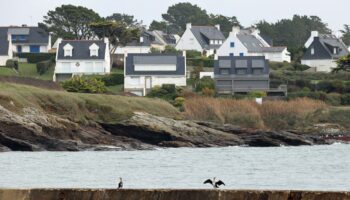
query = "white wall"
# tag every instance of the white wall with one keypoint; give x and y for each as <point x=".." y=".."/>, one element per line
<point x="320" y="65"/>
<point x="226" y="48"/>
<point x="278" y="56"/>
<point x="133" y="49"/>
<point x="188" y="42"/>
<point x="138" y="83"/>
<point x="26" y="48"/>
<point x="3" y="60"/>
<point x="206" y="74"/>
<point x="83" y="67"/>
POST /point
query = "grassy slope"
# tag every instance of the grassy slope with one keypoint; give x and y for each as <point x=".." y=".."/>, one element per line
<point x="27" y="70"/>
<point x="81" y="108"/>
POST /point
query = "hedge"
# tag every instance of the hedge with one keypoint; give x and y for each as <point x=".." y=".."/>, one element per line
<point x="12" y="64"/>
<point x="42" y="67"/>
<point x="37" y="57"/>
<point x="112" y="79"/>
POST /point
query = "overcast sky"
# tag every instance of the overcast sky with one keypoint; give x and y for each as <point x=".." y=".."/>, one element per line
<point x="335" y="13"/>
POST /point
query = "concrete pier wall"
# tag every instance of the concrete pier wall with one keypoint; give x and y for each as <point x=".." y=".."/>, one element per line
<point x="108" y="194"/>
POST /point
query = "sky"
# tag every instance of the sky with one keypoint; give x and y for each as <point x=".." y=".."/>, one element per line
<point x="248" y="12"/>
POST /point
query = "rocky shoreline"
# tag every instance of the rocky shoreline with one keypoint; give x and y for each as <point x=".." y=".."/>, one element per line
<point x="34" y="130"/>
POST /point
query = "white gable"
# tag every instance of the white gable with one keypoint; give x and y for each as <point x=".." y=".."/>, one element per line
<point x="188" y="42"/>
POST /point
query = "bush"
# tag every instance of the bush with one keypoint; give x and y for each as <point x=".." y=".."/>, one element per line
<point x="333" y="99"/>
<point x="112" y="79"/>
<point x="208" y="92"/>
<point x="193" y="54"/>
<point x="179" y="102"/>
<point x="205" y="82"/>
<point x="84" y="85"/>
<point x="37" y="57"/>
<point x="12" y="64"/>
<point x="43" y="66"/>
<point x="257" y="94"/>
<point x="345" y="99"/>
<point x="167" y="92"/>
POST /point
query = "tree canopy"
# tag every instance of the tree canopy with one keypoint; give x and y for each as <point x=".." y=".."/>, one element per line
<point x="346" y="34"/>
<point x="343" y="64"/>
<point x="129" y="20"/>
<point x="70" y="22"/>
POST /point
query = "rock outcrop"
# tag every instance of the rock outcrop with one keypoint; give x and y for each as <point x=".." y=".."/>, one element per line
<point x="109" y="194"/>
<point x="34" y="130"/>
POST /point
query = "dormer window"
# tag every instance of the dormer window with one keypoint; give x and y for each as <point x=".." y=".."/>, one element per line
<point x="335" y="51"/>
<point x="68" y="50"/>
<point x="312" y="51"/>
<point x="94" y="50"/>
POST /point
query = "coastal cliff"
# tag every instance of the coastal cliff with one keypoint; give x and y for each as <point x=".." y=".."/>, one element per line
<point x="109" y="194"/>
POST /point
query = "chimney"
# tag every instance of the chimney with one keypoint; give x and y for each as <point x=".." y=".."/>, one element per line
<point x="314" y="34"/>
<point x="188" y="26"/>
<point x="217" y="26"/>
<point x="235" y="30"/>
<point x="24" y="25"/>
<point x="141" y="39"/>
<point x="255" y="31"/>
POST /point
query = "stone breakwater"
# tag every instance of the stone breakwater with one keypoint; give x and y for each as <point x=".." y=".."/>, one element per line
<point x="109" y="194"/>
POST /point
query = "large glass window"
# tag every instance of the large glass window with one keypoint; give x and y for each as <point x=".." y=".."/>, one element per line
<point x="224" y="71"/>
<point x="241" y="71"/>
<point x="257" y="71"/>
<point x="241" y="63"/>
<point x="258" y="63"/>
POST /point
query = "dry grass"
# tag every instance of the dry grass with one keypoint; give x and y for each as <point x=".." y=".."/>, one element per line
<point x="246" y="113"/>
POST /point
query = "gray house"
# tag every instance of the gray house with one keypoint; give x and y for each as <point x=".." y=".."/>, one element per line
<point x="241" y="74"/>
<point x="322" y="51"/>
<point x="144" y="71"/>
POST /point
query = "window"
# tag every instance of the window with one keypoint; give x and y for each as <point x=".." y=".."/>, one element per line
<point x="68" y="52"/>
<point x="241" y="54"/>
<point x="257" y="71"/>
<point x="94" y="52"/>
<point x="225" y="63"/>
<point x="22" y="37"/>
<point x="241" y="71"/>
<point x="258" y="63"/>
<point x="232" y="54"/>
<point x="241" y="63"/>
<point x="312" y="51"/>
<point x="224" y="71"/>
<point x="19" y="49"/>
<point x="34" y="49"/>
<point x="232" y="44"/>
<point x="335" y="51"/>
<point x="224" y="82"/>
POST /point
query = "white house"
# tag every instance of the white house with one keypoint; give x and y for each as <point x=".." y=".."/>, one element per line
<point x="81" y="57"/>
<point x="144" y="71"/>
<point x="5" y="47"/>
<point x="205" y="39"/>
<point x="322" y="51"/>
<point x="27" y="39"/>
<point x="250" y="43"/>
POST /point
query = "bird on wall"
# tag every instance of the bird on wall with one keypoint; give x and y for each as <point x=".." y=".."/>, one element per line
<point x="214" y="183"/>
<point x="120" y="184"/>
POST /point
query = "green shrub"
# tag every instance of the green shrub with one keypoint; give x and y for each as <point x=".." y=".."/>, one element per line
<point x="193" y="54"/>
<point x="12" y="64"/>
<point x="167" y="92"/>
<point x="112" y="79"/>
<point x="84" y="85"/>
<point x="345" y="99"/>
<point x="257" y="94"/>
<point x="37" y="57"/>
<point x="333" y="99"/>
<point x="179" y="102"/>
<point x="43" y="66"/>
<point x="205" y="82"/>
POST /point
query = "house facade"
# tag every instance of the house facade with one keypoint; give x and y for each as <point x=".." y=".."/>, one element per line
<point x="322" y="51"/>
<point x="81" y="57"/>
<point x="205" y="39"/>
<point x="250" y="43"/>
<point x="28" y="39"/>
<point x="5" y="47"/>
<point x="241" y="74"/>
<point x="144" y="71"/>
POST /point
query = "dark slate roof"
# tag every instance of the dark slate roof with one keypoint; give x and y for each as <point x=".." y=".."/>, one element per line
<point x="204" y="34"/>
<point x="324" y="48"/>
<point x="255" y="45"/>
<point x="133" y="59"/>
<point x="247" y="62"/>
<point x="81" y="50"/>
<point x="36" y="35"/>
<point x="4" y="43"/>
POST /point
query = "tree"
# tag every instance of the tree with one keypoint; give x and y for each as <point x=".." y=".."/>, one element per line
<point x="160" y="26"/>
<point x="180" y="14"/>
<point x="346" y="34"/>
<point x="70" y="22"/>
<point x="129" y="20"/>
<point x="343" y="64"/>
<point x="117" y="32"/>
<point x="226" y="23"/>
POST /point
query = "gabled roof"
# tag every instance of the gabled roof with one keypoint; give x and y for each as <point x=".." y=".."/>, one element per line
<point x="35" y="35"/>
<point x="81" y="50"/>
<point x="204" y="34"/>
<point x="4" y="43"/>
<point x="324" y="46"/>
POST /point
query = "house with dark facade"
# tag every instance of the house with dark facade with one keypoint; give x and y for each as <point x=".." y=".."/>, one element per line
<point x="144" y="71"/>
<point x="5" y="47"/>
<point x="322" y="51"/>
<point x="27" y="39"/>
<point x="241" y="74"/>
